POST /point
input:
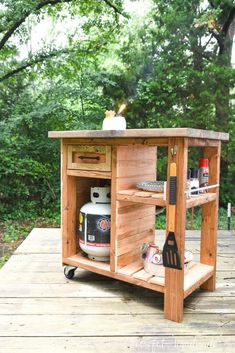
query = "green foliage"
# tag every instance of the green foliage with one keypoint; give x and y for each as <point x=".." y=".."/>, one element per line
<point x="170" y="66"/>
<point x="16" y="230"/>
<point x="195" y="221"/>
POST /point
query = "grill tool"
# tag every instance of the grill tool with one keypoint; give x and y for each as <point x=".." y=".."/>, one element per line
<point x="170" y="252"/>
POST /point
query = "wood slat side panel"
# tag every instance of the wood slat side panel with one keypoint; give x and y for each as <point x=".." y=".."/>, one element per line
<point x="130" y="219"/>
<point x="129" y="257"/>
<point x="125" y="233"/>
<point x="126" y="244"/>
<point x="132" y="215"/>
<point x="136" y="154"/>
<point x="131" y="168"/>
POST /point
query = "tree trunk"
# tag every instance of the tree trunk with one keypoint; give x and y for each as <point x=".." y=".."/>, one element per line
<point x="222" y="104"/>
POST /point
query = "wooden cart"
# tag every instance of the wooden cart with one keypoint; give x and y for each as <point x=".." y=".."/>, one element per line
<point x="125" y="158"/>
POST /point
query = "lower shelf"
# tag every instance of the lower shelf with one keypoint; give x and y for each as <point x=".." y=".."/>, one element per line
<point x="134" y="273"/>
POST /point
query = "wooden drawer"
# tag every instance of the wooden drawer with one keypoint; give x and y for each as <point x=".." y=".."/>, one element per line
<point x="89" y="157"/>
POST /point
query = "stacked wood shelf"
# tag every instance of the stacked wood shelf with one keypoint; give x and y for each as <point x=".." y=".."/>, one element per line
<point x="126" y="158"/>
<point x="153" y="198"/>
<point x="146" y="197"/>
<point x="196" y="274"/>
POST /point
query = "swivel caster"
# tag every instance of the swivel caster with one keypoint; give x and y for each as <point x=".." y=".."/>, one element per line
<point x="69" y="271"/>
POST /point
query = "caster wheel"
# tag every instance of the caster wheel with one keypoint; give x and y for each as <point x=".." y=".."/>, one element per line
<point x="69" y="272"/>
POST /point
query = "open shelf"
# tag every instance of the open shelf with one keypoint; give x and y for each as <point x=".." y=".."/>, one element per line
<point x="196" y="274"/>
<point x="200" y="199"/>
<point x="146" y="197"/>
<point x="81" y="260"/>
<point x="153" y="198"/>
<point x="194" y="277"/>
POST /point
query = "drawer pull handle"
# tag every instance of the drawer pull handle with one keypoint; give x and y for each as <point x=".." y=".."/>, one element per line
<point x="89" y="157"/>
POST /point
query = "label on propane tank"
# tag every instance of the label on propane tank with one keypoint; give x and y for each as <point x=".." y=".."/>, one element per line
<point x="98" y="229"/>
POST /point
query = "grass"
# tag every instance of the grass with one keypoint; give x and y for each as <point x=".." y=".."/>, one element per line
<point x="13" y="232"/>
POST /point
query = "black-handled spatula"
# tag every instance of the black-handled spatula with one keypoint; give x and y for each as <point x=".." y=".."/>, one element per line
<point x="170" y="252"/>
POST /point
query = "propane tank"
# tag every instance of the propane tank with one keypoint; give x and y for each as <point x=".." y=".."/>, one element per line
<point x="95" y="223"/>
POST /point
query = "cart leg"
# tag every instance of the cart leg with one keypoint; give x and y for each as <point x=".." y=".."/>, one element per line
<point x="210" y="218"/>
<point x="174" y="279"/>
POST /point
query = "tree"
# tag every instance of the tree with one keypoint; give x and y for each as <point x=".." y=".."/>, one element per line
<point x="178" y="71"/>
<point x="46" y="90"/>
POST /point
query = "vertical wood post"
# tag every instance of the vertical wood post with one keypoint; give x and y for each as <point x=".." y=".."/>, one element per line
<point x="210" y="217"/>
<point x="113" y="235"/>
<point x="174" y="279"/>
<point x="68" y="207"/>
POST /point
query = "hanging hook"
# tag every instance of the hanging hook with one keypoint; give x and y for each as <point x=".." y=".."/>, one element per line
<point x="174" y="150"/>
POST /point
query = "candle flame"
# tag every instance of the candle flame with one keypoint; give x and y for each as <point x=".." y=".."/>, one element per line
<point x="121" y="108"/>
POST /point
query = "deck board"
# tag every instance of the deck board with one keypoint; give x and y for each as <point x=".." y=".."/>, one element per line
<point x="42" y="311"/>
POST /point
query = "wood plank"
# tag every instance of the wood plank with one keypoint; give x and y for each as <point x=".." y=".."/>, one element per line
<point x="157" y="201"/>
<point x="132" y="325"/>
<point x="179" y="344"/>
<point x="82" y="261"/>
<point x="80" y="313"/>
<point x="140" y="344"/>
<point x="112" y="305"/>
<point x="126" y="244"/>
<point x="43" y="240"/>
<point x="196" y="276"/>
<point x="131" y="167"/>
<point x="210" y="217"/>
<point x="128" y="192"/>
<point x="197" y="142"/>
<point x="142" y="225"/>
<point x="201" y="199"/>
<point x="131" y="268"/>
<point x="132" y="154"/>
<point x="89" y="174"/>
<point x="101" y="289"/>
<point x="142" y="274"/>
<point x="160" y="141"/>
<point x="141" y="133"/>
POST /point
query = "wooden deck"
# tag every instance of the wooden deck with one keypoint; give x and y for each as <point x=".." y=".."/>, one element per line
<point x="42" y="311"/>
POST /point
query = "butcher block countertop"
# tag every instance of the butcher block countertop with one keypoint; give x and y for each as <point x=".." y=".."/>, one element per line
<point x="141" y="133"/>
